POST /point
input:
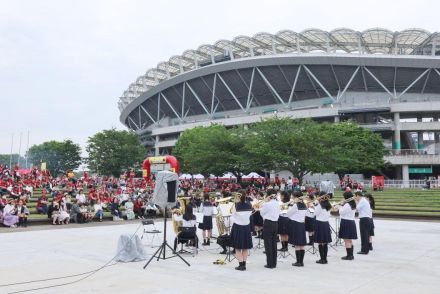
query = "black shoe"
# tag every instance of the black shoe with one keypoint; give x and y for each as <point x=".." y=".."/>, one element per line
<point x="208" y="243"/>
<point x="361" y="252"/>
<point x="266" y="266"/>
<point x="371" y="246"/>
<point x="240" y="267"/>
<point x="321" y="261"/>
<point x="204" y="242"/>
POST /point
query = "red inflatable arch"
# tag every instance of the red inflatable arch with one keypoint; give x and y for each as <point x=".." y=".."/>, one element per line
<point x="161" y="162"/>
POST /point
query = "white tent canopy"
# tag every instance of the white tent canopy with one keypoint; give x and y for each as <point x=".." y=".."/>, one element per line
<point x="252" y="175"/>
<point x="198" y="177"/>
<point x="185" y="177"/>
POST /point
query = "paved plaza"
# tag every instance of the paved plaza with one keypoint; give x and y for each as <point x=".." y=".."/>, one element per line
<point x="406" y="259"/>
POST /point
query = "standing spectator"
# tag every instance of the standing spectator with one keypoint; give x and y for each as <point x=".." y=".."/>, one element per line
<point x="129" y="209"/>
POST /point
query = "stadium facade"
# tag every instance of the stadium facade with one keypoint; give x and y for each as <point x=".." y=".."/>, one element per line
<point x="386" y="81"/>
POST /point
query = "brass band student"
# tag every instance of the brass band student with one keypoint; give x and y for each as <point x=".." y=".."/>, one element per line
<point x="347" y="228"/>
<point x="241" y="231"/>
<point x="270" y="213"/>
<point x="322" y="228"/>
<point x="297" y="237"/>
<point x="208" y="210"/>
<point x="365" y="216"/>
<point x="283" y="223"/>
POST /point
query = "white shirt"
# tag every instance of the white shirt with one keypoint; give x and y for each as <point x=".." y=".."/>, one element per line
<point x="327" y="186"/>
<point x="81" y="198"/>
<point x="345" y="212"/>
<point x="97" y="207"/>
<point x="187" y="224"/>
<point x="296" y="215"/>
<point x="270" y="210"/>
<point x="8" y="209"/>
<point x="364" y="209"/>
<point x="207" y="210"/>
<point x="321" y="214"/>
<point x="241" y="217"/>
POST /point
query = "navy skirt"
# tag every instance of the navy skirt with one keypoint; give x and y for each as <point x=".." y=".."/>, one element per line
<point x="207" y="223"/>
<point x="258" y="220"/>
<point x="347" y="229"/>
<point x="283" y="225"/>
<point x="371" y="227"/>
<point x="310" y="224"/>
<point x="297" y="234"/>
<point x="322" y="232"/>
<point x="241" y="237"/>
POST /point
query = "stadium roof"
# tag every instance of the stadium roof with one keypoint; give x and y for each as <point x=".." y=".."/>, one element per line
<point x="343" y="40"/>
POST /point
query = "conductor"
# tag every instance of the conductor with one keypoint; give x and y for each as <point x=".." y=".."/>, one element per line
<point x="270" y="212"/>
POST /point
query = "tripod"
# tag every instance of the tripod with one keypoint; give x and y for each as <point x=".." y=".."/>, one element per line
<point x="160" y="252"/>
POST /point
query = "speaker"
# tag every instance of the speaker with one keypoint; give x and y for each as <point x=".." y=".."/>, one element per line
<point x="171" y="188"/>
<point x="165" y="190"/>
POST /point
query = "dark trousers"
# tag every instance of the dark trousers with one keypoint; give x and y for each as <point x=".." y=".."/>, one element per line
<point x="364" y="227"/>
<point x="270" y="229"/>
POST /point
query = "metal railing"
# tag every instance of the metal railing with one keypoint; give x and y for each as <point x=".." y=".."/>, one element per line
<point x="405" y="184"/>
<point x="411" y="152"/>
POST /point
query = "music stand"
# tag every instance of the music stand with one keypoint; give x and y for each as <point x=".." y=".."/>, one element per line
<point x="229" y="252"/>
<point x="160" y="252"/>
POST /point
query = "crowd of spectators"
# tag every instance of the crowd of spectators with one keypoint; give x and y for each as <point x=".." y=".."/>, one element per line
<point x="66" y="199"/>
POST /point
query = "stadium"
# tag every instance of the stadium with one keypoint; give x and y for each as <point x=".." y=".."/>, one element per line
<point x="386" y="81"/>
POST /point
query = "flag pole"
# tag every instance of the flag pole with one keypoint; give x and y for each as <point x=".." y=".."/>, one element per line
<point x="10" y="156"/>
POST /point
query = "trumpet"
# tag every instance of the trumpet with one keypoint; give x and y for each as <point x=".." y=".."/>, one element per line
<point x="344" y="201"/>
<point x="323" y="197"/>
<point x="257" y="205"/>
<point x="223" y="200"/>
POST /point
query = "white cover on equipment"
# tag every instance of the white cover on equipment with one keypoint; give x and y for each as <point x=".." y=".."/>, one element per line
<point x="160" y="195"/>
<point x="130" y="249"/>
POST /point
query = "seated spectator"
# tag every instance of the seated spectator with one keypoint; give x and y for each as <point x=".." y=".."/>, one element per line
<point x="85" y="213"/>
<point x="98" y="209"/>
<point x="10" y="219"/>
<point x="114" y="208"/>
<point x="75" y="212"/>
<point x="42" y="205"/>
<point x="64" y="216"/>
<point x="81" y="197"/>
<point x="54" y="212"/>
<point x="22" y="213"/>
<point x="129" y="210"/>
<point x="139" y="208"/>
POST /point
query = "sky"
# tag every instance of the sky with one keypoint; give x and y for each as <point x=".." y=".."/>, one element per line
<point x="64" y="64"/>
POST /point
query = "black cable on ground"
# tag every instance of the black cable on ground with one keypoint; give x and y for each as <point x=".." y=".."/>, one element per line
<point x="88" y="274"/>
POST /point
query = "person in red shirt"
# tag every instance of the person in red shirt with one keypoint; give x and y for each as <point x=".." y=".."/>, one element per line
<point x="139" y="208"/>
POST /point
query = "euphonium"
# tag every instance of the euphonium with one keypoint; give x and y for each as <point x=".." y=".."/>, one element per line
<point x="221" y="226"/>
<point x="183" y="201"/>
<point x="176" y="224"/>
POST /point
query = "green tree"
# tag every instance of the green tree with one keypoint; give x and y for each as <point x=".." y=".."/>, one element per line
<point x="212" y="150"/>
<point x="59" y="156"/>
<point x="286" y="144"/>
<point x="6" y="158"/>
<point x="353" y="149"/>
<point x="112" y="151"/>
